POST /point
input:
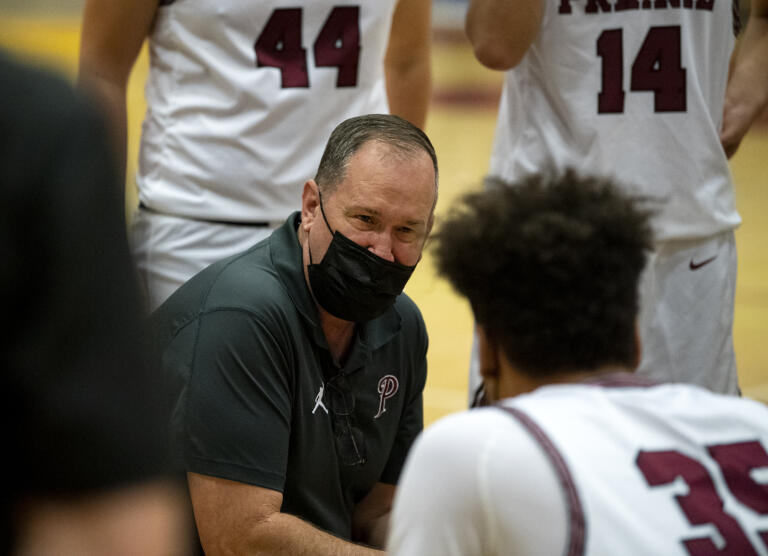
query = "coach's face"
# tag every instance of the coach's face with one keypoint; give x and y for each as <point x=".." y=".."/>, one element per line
<point x="385" y="204"/>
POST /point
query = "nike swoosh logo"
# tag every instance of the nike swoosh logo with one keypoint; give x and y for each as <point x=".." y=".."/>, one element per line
<point x="697" y="266"/>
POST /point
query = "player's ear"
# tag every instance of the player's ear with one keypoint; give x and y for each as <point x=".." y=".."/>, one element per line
<point x="310" y="204"/>
<point x="488" y="353"/>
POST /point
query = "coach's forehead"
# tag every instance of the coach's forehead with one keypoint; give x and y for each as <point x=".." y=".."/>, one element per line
<point x="382" y="172"/>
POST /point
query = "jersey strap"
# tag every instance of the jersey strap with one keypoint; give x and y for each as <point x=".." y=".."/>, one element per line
<point x="577" y="523"/>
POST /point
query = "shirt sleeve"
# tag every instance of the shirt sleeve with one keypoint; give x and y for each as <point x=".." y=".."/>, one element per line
<point x="237" y="410"/>
<point x="476" y="484"/>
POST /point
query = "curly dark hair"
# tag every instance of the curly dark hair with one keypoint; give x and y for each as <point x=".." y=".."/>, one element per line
<point x="550" y="266"/>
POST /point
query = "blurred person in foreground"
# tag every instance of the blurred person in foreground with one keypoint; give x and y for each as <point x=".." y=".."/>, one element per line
<point x="85" y="453"/>
<point x="297" y="367"/>
<point x="577" y="455"/>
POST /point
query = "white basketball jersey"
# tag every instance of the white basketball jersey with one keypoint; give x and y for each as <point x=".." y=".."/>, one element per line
<point x="597" y="469"/>
<point x="631" y="89"/>
<point x="243" y="95"/>
<point x="669" y="469"/>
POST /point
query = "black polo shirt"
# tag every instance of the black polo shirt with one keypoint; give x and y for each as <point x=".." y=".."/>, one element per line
<point x="246" y="358"/>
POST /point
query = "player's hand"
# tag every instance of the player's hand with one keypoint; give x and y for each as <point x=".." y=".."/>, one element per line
<point x="736" y="122"/>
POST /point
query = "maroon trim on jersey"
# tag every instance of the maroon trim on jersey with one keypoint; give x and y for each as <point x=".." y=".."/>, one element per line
<point x="577" y="524"/>
<point x="619" y="379"/>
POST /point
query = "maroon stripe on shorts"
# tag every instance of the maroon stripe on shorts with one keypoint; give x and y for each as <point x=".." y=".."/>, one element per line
<point x="577" y="523"/>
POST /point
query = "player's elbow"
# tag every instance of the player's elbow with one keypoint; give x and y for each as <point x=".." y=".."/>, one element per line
<point x="501" y="43"/>
<point x="495" y="55"/>
<point x="495" y="50"/>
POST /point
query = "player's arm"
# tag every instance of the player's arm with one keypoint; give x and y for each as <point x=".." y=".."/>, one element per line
<point x="237" y="518"/>
<point x="747" y="93"/>
<point x="501" y="31"/>
<point x="111" y="38"/>
<point x="407" y="63"/>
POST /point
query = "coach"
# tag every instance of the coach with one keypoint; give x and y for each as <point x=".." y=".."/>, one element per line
<point x="297" y="367"/>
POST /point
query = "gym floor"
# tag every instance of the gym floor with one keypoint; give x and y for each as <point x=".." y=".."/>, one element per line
<point x="461" y="125"/>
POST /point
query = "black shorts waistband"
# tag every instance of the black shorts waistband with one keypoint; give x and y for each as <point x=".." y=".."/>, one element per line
<point x="257" y="224"/>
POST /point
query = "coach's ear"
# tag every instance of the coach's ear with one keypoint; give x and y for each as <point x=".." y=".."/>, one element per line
<point x="310" y="204"/>
<point x="488" y="354"/>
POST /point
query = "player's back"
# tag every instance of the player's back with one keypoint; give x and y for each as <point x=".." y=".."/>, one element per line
<point x="668" y="469"/>
<point x="632" y="89"/>
<point x="602" y="469"/>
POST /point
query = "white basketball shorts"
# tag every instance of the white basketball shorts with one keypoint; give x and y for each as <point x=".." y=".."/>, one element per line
<point x="687" y="294"/>
<point x="169" y="250"/>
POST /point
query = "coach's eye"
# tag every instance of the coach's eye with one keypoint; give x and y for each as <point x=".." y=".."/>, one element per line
<point x="364" y="218"/>
<point x="408" y="235"/>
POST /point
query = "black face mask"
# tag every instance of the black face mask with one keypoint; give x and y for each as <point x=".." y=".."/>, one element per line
<point x="352" y="283"/>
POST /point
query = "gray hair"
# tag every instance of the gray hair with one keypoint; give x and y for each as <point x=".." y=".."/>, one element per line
<point x="351" y="134"/>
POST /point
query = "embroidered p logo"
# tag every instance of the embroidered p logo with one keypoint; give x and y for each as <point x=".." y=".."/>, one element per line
<point x="388" y="385"/>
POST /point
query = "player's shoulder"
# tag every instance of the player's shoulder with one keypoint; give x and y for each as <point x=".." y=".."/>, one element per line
<point x="472" y="433"/>
<point x="680" y="395"/>
<point x="703" y="401"/>
<point x="572" y="407"/>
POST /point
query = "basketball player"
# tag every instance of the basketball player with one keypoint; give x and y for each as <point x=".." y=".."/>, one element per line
<point x="579" y="456"/>
<point x="635" y="89"/>
<point x="241" y="98"/>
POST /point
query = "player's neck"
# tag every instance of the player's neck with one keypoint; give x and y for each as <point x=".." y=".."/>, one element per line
<point x="512" y="382"/>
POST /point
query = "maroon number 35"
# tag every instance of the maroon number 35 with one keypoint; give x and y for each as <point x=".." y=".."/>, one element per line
<point x="703" y="504"/>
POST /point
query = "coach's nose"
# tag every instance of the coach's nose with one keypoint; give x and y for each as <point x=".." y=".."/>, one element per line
<point x="382" y="246"/>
